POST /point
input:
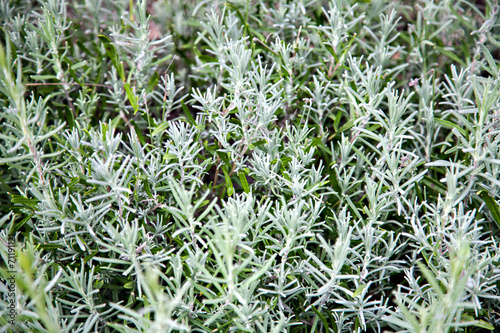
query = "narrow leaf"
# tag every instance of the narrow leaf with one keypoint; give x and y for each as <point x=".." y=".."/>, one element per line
<point x="492" y="205"/>
<point x="229" y="184"/>
<point x="153" y="82"/>
<point x="19" y="225"/>
<point x="188" y="114"/>
<point x="113" y="55"/>
<point x="244" y="182"/>
<point x="160" y="128"/>
<point x="450" y="55"/>
<point x="131" y="97"/>
<point x="450" y="125"/>
<point x="316" y="141"/>
<point x="323" y="320"/>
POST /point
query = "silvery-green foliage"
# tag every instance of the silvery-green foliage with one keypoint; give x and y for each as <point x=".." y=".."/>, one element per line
<point x="303" y="166"/>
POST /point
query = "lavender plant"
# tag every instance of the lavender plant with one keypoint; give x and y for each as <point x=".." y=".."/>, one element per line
<point x="250" y="166"/>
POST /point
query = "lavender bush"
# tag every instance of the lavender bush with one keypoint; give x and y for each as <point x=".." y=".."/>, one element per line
<point x="250" y="166"/>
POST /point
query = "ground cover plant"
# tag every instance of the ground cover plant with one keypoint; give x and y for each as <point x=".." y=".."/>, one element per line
<point x="250" y="166"/>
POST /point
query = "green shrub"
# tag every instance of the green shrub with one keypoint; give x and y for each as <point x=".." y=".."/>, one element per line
<point x="250" y="166"/>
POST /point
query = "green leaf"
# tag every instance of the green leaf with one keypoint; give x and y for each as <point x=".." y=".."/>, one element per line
<point x="69" y="117"/>
<point x="450" y="55"/>
<point x="86" y="50"/>
<point x="244" y="182"/>
<point x="333" y="322"/>
<point x="71" y="69"/>
<point x="169" y="156"/>
<point x="329" y="48"/>
<point x="336" y="121"/>
<point x="153" y="82"/>
<point x="362" y="155"/>
<point x="98" y="284"/>
<point x="229" y="184"/>
<point x="147" y="189"/>
<point x="138" y="132"/>
<point x="358" y="291"/>
<point x="316" y="141"/>
<point x="131" y="97"/>
<point x="284" y="160"/>
<point x="323" y="320"/>
<point x="160" y="128"/>
<point x="485" y="325"/>
<point x="344" y="128"/>
<point x="73" y="182"/>
<point x="492" y="205"/>
<point x="257" y="143"/>
<point x="113" y="55"/>
<point x="90" y="256"/>
<point x="347" y="126"/>
<point x="40" y="33"/>
<point x="450" y="125"/>
<point x="207" y="59"/>
<point x="429" y="276"/>
<point x="23" y="200"/>
<point x="48" y="246"/>
<point x="19" y="225"/>
<point x="460" y="17"/>
<point x="416" y="186"/>
<point x="434" y="184"/>
<point x="223" y="156"/>
<point x="188" y="114"/>
<point x="128" y="285"/>
<point x="242" y="19"/>
<point x="43" y="77"/>
<point x="478" y="323"/>
<point x="332" y="177"/>
<point x="160" y="61"/>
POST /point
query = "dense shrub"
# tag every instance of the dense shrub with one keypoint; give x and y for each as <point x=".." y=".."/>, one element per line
<point x="250" y="166"/>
